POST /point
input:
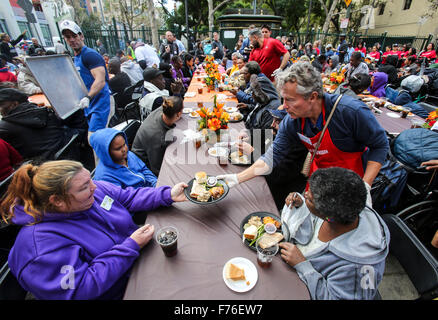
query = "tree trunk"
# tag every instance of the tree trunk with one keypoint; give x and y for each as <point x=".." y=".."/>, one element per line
<point x="327" y="21"/>
<point x="211" y="12"/>
<point x="153" y="24"/>
<point x="210" y="18"/>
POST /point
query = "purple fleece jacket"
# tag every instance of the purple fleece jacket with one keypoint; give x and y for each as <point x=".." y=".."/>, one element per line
<point x="83" y="255"/>
<point x="378" y="87"/>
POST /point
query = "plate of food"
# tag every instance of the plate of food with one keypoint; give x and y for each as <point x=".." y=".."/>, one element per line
<point x="235" y="117"/>
<point x="238" y="158"/>
<point x="240" y="274"/>
<point x="193" y="114"/>
<point x="218" y="152"/>
<point x="230" y="109"/>
<point x="187" y="110"/>
<point x="393" y="107"/>
<point x="204" y="189"/>
<point x="254" y="226"/>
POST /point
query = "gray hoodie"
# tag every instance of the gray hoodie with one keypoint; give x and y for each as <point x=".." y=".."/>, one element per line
<point x="349" y="267"/>
<point x="133" y="70"/>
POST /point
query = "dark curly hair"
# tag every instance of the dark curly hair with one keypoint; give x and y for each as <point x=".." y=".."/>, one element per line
<point x="339" y="194"/>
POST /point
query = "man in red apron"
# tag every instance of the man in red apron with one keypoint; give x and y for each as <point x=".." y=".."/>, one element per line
<point x="353" y="140"/>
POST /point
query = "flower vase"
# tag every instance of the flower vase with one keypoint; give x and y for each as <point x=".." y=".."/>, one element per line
<point x="213" y="136"/>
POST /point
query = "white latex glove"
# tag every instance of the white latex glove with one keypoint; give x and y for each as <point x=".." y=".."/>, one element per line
<point x="84" y="103"/>
<point x="277" y="71"/>
<point x="369" y="202"/>
<point x="230" y="179"/>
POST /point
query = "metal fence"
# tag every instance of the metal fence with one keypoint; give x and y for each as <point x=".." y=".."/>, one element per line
<point x="354" y="38"/>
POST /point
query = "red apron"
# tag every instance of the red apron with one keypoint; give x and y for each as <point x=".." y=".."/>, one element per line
<point x="328" y="155"/>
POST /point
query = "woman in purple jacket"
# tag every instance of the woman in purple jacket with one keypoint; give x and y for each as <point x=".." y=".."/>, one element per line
<point x="77" y="240"/>
<point x="177" y="72"/>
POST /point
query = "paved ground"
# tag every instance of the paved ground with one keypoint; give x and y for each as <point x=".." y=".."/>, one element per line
<point x="396" y="284"/>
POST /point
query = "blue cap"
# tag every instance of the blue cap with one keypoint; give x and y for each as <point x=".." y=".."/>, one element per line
<point x="279" y="114"/>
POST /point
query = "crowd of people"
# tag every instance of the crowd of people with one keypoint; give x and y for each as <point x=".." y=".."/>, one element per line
<point x="70" y="217"/>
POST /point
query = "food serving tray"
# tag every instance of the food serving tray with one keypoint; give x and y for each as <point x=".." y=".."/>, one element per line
<point x="210" y="201"/>
<point x="262" y="214"/>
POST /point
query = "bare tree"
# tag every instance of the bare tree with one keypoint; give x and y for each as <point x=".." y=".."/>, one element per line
<point x="211" y="12"/>
<point x="153" y="24"/>
<point x="328" y="18"/>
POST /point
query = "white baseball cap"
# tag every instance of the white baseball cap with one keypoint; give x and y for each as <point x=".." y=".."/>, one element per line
<point x="70" y="25"/>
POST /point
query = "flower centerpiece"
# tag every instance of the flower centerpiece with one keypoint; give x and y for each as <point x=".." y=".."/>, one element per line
<point x="431" y="119"/>
<point x="212" y="122"/>
<point x="212" y="70"/>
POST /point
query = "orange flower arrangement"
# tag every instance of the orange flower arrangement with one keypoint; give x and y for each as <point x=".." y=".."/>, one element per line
<point x="431" y="119"/>
<point x="213" y="74"/>
<point x="337" y="77"/>
<point x="213" y="120"/>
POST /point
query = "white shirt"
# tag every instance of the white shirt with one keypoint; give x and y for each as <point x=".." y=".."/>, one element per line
<point x="180" y="45"/>
<point x="148" y="54"/>
<point x="59" y="47"/>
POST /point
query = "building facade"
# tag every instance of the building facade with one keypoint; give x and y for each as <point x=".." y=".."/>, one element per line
<point x="19" y="15"/>
<point x="406" y="17"/>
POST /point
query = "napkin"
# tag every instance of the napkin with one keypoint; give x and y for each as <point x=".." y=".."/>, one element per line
<point x="190" y="94"/>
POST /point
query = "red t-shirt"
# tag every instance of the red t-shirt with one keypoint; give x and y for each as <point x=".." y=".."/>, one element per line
<point x="375" y="55"/>
<point x="363" y="50"/>
<point x="6" y="75"/>
<point x="429" y="54"/>
<point x="9" y="157"/>
<point x="268" y="56"/>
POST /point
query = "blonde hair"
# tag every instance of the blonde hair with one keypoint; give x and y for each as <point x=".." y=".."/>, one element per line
<point x="32" y="185"/>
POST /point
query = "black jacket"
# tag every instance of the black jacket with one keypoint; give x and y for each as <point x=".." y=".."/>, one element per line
<point x="260" y="116"/>
<point x="6" y="50"/>
<point x="37" y="132"/>
<point x="166" y="56"/>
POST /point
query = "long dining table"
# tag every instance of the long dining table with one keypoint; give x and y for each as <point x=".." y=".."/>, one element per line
<point x="209" y="235"/>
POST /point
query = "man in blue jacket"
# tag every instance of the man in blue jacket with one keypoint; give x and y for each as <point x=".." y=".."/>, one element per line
<point x="117" y="164"/>
<point x="353" y="140"/>
<point x="91" y="67"/>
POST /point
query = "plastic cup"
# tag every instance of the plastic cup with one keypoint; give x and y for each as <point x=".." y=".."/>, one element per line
<point x="167" y="237"/>
<point x="200" y="90"/>
<point x="405" y="112"/>
<point x="200" y="104"/>
<point x="265" y="256"/>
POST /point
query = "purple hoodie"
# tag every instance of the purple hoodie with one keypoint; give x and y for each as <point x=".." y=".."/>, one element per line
<point x="378" y="87"/>
<point x="82" y="255"/>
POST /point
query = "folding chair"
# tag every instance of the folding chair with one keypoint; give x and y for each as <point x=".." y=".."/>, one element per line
<point x="131" y="130"/>
<point x="417" y="261"/>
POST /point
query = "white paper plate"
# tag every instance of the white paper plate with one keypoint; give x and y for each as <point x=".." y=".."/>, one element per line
<point x="193" y="116"/>
<point x="190" y="94"/>
<point x="393" y="114"/>
<point x="218" y="152"/>
<point x="187" y="110"/>
<point x="230" y="109"/>
<point x="251" y="275"/>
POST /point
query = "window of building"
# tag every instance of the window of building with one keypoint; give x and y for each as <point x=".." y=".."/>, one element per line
<point x="407" y="4"/>
<point x="47" y="35"/>
<point x="23" y="25"/>
<point x="37" y="7"/>
<point x="3" y="26"/>
<point x="381" y="9"/>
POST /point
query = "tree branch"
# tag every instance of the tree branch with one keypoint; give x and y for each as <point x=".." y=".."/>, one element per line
<point x="220" y="5"/>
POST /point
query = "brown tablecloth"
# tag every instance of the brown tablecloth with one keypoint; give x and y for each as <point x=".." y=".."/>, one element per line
<point x="209" y="235"/>
<point x="394" y="125"/>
